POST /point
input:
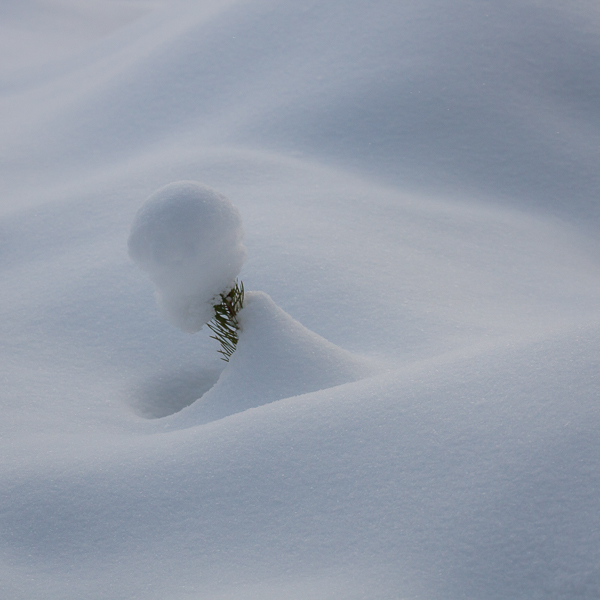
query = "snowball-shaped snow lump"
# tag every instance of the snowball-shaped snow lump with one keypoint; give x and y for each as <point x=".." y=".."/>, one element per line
<point x="188" y="238"/>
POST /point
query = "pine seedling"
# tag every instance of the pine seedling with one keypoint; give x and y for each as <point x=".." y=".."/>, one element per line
<point x="225" y="323"/>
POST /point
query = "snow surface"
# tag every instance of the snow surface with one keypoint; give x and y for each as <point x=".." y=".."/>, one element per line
<point x="276" y="358"/>
<point x="189" y="239"/>
<point x="413" y="409"/>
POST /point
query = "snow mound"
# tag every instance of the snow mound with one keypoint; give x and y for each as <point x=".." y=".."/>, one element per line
<point x="188" y="238"/>
<point x="276" y="358"/>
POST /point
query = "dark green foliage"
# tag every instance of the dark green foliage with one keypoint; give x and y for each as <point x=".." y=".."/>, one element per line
<point x="224" y="324"/>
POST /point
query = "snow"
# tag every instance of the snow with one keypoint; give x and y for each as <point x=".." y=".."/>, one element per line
<point x="276" y="358"/>
<point x="189" y="239"/>
<point x="412" y="411"/>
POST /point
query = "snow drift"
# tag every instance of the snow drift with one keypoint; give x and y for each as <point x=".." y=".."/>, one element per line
<point x="414" y="415"/>
<point x="276" y="358"/>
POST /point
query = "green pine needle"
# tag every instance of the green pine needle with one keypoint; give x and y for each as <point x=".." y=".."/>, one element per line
<point x="224" y="324"/>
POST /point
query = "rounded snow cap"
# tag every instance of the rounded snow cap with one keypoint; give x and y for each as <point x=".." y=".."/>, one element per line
<point x="188" y="238"/>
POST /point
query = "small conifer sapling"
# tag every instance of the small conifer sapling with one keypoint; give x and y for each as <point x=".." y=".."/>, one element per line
<point x="225" y="324"/>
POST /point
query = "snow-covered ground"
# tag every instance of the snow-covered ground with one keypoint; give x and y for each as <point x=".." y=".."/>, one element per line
<point x="413" y="409"/>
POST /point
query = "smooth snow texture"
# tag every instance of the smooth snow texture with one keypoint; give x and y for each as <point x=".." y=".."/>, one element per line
<point x="415" y="414"/>
<point x="189" y="239"/>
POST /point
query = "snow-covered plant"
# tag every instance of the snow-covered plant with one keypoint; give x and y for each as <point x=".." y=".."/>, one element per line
<point x="188" y="238"/>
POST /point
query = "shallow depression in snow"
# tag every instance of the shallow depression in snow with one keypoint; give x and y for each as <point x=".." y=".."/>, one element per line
<point x="165" y="394"/>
